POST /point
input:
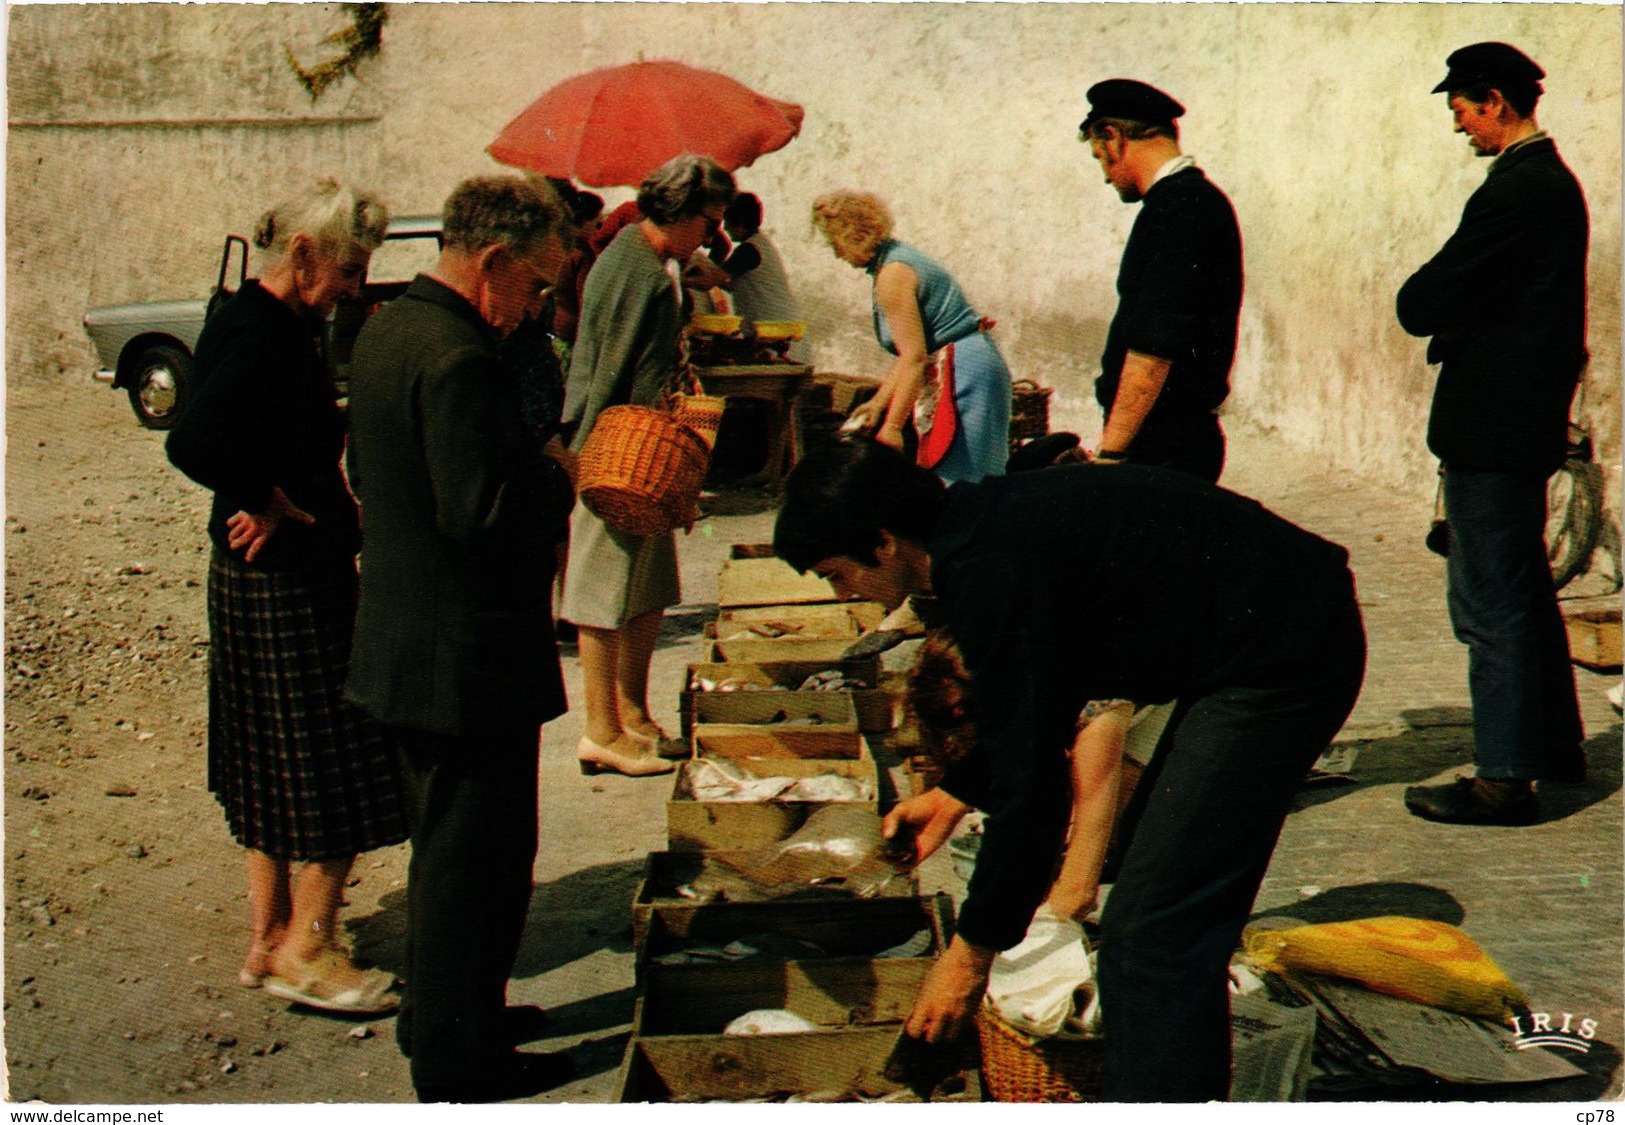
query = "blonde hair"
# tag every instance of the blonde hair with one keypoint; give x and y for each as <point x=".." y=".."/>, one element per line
<point x="859" y="219"/>
<point x="338" y="218"/>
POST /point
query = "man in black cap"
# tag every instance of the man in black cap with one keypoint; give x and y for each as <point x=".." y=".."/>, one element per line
<point x="1166" y="367"/>
<point x="1505" y="304"/>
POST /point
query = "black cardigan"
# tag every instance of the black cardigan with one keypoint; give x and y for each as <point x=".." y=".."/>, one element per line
<point x="1505" y="302"/>
<point x="264" y="414"/>
<point x="1097" y="582"/>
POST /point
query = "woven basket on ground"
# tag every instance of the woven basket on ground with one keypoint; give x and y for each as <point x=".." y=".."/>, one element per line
<point x="1018" y="1068"/>
<point x="641" y="470"/>
<point x="1029" y="410"/>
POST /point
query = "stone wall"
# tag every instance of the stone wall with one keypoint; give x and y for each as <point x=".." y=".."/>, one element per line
<point x="1314" y="118"/>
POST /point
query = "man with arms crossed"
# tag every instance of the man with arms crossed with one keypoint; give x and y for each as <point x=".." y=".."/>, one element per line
<point x="1505" y="303"/>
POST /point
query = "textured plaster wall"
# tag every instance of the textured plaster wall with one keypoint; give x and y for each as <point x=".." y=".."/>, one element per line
<point x="1314" y="118"/>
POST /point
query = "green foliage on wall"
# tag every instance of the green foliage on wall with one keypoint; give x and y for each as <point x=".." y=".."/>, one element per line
<point x="362" y="38"/>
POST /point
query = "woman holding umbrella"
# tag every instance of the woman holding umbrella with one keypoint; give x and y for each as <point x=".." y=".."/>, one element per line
<point x="618" y="585"/>
<point x="948" y="378"/>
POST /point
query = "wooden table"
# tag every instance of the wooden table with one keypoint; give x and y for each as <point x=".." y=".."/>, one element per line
<point x="778" y="383"/>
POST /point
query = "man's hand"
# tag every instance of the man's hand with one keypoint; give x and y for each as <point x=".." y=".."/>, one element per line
<point x="254" y="529"/>
<point x="953" y="988"/>
<point x="567" y="458"/>
<point x="929" y="819"/>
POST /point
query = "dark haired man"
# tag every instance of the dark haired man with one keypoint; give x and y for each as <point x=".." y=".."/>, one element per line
<point x="1082" y="583"/>
<point x="1505" y="303"/>
<point x="454" y="653"/>
<point x="1166" y="367"/>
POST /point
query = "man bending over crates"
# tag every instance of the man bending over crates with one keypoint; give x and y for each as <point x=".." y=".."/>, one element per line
<point x="1091" y="582"/>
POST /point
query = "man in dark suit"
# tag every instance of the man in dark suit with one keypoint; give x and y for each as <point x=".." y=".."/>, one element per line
<point x="1166" y="367"/>
<point x="1505" y="303"/>
<point x="454" y="652"/>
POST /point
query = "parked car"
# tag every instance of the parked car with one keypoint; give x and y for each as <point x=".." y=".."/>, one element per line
<point x="146" y="348"/>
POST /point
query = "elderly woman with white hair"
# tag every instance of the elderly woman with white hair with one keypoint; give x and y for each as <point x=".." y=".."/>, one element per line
<point x="617" y="586"/>
<point x="948" y="380"/>
<point x="302" y="778"/>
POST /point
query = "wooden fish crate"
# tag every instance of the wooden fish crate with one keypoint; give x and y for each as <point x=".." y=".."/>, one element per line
<point x="698" y="826"/>
<point x="827" y="650"/>
<point x="840" y="1064"/>
<point x="873" y="705"/>
<point x="712" y="879"/>
<point x="848" y="928"/>
<point x="807" y="622"/>
<point x="777" y="724"/>
<point x="750" y="578"/>
<point x="678" y="1052"/>
<point x="1594" y="638"/>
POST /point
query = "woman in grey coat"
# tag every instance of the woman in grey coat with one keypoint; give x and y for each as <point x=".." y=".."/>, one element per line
<point x="617" y="586"/>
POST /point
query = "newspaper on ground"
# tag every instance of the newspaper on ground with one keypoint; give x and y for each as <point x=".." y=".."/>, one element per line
<point x="1272" y="1046"/>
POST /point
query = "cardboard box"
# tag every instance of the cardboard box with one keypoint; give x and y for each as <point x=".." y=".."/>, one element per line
<point x="747" y="725"/>
<point x="677" y="1050"/>
<point x="1594" y="639"/>
<point x="698" y="826"/>
<point x="873" y="705"/>
<point x="713" y="878"/>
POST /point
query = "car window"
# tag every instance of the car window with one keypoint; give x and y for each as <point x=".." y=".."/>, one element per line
<point x="402" y="259"/>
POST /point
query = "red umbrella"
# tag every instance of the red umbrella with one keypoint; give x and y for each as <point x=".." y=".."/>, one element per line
<point x="615" y="125"/>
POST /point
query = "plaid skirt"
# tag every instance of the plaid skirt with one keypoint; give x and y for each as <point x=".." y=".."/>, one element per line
<point x="301" y="773"/>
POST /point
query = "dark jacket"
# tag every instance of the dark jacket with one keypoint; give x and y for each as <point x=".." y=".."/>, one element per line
<point x="1505" y="303"/>
<point x="265" y="415"/>
<point x="1178" y="297"/>
<point x="454" y="631"/>
<point x="1097" y="582"/>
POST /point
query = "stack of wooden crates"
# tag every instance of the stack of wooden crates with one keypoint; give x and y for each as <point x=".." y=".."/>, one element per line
<point x="775" y="628"/>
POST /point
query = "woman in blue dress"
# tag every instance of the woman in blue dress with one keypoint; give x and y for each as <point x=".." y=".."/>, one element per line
<point x="948" y="378"/>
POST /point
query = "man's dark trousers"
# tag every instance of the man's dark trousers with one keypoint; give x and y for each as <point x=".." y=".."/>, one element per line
<point x="1212" y="805"/>
<point x="1526" y="718"/>
<point x="474" y="812"/>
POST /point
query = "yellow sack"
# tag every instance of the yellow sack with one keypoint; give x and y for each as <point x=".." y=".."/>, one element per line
<point x="1413" y="958"/>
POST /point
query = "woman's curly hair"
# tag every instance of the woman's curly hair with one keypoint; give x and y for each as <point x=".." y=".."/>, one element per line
<point x="940" y="697"/>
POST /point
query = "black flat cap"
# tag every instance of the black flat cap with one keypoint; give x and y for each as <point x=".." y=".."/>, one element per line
<point x="1128" y="100"/>
<point x="1488" y="63"/>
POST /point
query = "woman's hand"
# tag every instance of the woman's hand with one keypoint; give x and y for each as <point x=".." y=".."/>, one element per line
<point x="892" y="435"/>
<point x="953" y="988"/>
<point x="253" y="530"/>
<point x="928" y="819"/>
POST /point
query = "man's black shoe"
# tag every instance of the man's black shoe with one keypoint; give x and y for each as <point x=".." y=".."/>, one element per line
<point x="521" y="1023"/>
<point x="519" y="1074"/>
<point x="1462" y="801"/>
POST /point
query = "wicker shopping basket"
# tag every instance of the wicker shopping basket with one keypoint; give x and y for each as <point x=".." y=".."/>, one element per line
<point x="1029" y="411"/>
<point x="1019" y="1068"/>
<point x="641" y="468"/>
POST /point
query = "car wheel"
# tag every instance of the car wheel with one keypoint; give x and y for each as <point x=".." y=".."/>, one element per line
<point x="159" y="384"/>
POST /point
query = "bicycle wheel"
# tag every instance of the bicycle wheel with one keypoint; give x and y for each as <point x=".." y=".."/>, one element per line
<point x="1573" y="519"/>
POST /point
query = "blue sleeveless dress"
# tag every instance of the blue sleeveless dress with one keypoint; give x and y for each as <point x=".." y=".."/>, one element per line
<point x="981" y="443"/>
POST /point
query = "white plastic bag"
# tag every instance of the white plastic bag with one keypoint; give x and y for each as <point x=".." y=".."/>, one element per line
<point x="1046" y="985"/>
